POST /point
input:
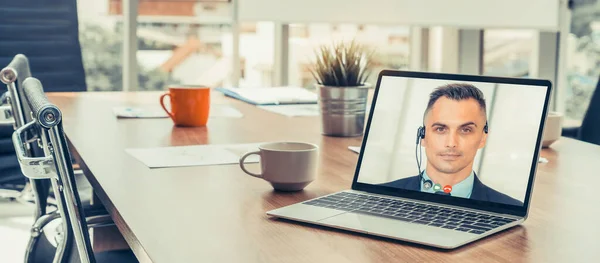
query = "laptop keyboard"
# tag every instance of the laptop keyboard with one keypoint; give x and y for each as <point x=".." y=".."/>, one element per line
<point x="413" y="212"/>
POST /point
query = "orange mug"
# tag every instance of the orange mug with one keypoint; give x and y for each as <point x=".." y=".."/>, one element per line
<point x="189" y="105"/>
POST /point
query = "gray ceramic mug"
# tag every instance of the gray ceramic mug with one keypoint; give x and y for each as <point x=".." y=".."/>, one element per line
<point x="288" y="166"/>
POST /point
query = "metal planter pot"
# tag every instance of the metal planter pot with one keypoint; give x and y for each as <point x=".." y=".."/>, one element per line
<point x="343" y="110"/>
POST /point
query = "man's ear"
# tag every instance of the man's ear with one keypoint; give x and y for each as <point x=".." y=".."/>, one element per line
<point x="483" y="140"/>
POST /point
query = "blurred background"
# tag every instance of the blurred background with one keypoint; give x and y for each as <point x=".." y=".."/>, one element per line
<point x="176" y="38"/>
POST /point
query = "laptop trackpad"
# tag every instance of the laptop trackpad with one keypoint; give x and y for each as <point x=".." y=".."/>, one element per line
<point x="306" y="213"/>
<point x="398" y="229"/>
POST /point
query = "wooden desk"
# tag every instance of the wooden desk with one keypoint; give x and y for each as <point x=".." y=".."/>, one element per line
<point x="217" y="213"/>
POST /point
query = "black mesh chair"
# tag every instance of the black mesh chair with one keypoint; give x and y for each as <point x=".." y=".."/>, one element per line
<point x="589" y="131"/>
<point x="55" y="165"/>
<point x="47" y="32"/>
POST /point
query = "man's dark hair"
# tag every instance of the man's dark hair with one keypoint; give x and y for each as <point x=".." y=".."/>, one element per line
<point x="456" y="91"/>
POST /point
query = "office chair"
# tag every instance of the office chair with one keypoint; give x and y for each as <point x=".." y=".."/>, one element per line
<point x="47" y="31"/>
<point x="589" y="131"/>
<point x="13" y="76"/>
<point x="75" y="246"/>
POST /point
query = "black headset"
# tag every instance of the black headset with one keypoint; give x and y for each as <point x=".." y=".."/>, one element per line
<point x="421" y="135"/>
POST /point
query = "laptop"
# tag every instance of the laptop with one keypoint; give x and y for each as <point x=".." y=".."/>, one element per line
<point x="445" y="160"/>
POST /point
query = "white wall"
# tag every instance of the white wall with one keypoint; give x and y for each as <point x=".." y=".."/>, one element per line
<point x="390" y="154"/>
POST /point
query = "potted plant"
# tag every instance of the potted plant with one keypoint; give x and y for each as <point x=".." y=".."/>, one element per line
<point x="341" y="71"/>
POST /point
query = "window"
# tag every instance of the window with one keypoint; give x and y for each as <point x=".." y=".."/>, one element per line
<point x="507" y="53"/>
<point x="179" y="42"/>
<point x="583" y="59"/>
<point x="390" y="44"/>
<point x="182" y="42"/>
<point x="257" y="42"/>
<point x="190" y="42"/>
<point x="101" y="45"/>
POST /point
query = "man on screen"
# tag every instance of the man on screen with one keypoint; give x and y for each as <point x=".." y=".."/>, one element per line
<point x="455" y="127"/>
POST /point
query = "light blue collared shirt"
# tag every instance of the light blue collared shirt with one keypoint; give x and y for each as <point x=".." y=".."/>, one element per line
<point x="463" y="189"/>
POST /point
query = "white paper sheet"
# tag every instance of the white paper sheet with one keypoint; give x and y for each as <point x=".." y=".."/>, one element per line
<point x="195" y="155"/>
<point x="138" y="112"/>
<point x="293" y="110"/>
<point x="157" y="112"/>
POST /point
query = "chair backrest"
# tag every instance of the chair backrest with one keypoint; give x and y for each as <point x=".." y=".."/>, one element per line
<point x="47" y="32"/>
<point x="13" y="75"/>
<point x="57" y="167"/>
<point x="590" y="126"/>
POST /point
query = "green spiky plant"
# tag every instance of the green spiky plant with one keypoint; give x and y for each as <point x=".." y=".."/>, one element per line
<point x="342" y="64"/>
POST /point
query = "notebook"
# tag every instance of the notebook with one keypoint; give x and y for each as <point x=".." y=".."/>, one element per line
<point x="271" y="95"/>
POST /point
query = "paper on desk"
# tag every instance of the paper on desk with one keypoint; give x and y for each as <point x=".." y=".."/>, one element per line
<point x="156" y="112"/>
<point x="271" y="95"/>
<point x="293" y="110"/>
<point x="356" y="149"/>
<point x="137" y="112"/>
<point x="196" y="155"/>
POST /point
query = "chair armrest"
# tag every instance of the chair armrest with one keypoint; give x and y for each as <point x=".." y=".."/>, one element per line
<point x="42" y="221"/>
<point x="571" y="132"/>
<point x="92" y="221"/>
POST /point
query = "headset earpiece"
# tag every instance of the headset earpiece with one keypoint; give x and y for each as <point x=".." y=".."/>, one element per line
<point x="420" y="134"/>
<point x="485" y="128"/>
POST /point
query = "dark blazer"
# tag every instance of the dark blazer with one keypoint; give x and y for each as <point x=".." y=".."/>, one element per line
<point x="480" y="191"/>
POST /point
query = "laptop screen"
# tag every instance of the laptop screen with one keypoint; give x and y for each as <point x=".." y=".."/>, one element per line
<point x="454" y="136"/>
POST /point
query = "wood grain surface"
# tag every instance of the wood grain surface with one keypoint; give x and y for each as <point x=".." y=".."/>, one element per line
<point x="217" y="213"/>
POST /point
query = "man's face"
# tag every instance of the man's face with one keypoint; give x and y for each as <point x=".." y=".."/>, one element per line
<point x="453" y="134"/>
